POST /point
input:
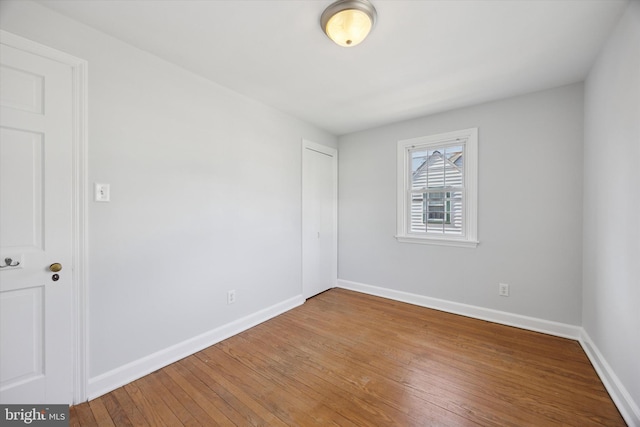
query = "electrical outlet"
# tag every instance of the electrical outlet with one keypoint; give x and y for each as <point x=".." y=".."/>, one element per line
<point x="503" y="290"/>
<point x="102" y="192"/>
<point x="231" y="297"/>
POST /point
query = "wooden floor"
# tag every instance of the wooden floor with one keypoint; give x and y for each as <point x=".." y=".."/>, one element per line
<point x="350" y="359"/>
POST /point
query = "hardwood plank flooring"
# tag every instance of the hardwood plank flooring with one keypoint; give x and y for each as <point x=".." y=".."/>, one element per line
<point x="350" y="359"/>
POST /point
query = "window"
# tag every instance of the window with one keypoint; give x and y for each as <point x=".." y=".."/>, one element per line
<point x="438" y="189"/>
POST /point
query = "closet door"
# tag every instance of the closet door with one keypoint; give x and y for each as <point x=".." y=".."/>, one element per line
<point x="319" y="218"/>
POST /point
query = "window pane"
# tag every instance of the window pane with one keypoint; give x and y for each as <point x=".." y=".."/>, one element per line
<point x="435" y="173"/>
<point x="453" y="166"/>
<point x="417" y="223"/>
<point x="418" y="169"/>
<point x="418" y="158"/>
<point x="455" y="155"/>
<point x="454" y="205"/>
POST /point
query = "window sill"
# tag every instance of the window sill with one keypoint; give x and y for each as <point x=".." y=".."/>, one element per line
<point x="438" y="241"/>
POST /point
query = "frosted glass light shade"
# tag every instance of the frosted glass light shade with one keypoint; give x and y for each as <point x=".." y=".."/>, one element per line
<point x="348" y="22"/>
<point x="349" y="27"/>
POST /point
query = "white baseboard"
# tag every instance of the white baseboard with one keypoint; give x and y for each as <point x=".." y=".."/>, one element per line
<point x="524" y="322"/>
<point x="619" y="394"/>
<point x="125" y="374"/>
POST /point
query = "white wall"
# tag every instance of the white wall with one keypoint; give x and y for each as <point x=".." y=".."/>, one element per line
<point x="611" y="300"/>
<point x="530" y="209"/>
<point x="205" y="189"/>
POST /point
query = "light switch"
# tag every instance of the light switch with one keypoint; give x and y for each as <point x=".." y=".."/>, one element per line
<point x="102" y="192"/>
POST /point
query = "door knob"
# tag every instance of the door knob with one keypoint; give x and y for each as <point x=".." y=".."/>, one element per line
<point x="55" y="267"/>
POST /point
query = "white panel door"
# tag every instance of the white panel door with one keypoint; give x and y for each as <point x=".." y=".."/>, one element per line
<point x="319" y="218"/>
<point x="36" y="341"/>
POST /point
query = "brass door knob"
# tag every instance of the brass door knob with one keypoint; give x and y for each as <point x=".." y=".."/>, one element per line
<point x="55" y="267"/>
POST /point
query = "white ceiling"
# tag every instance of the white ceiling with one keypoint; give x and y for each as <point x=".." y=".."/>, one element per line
<point x="422" y="57"/>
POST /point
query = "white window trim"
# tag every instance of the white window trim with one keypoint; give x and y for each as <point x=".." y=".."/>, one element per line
<point x="469" y="237"/>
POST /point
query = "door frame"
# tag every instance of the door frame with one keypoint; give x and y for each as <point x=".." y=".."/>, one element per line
<point x="79" y="143"/>
<point x="333" y="153"/>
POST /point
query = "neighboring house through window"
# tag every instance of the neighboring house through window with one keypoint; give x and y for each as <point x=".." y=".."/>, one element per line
<point x="437" y="189"/>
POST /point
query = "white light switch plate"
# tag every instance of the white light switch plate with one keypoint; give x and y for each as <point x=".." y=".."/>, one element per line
<point x="102" y="192"/>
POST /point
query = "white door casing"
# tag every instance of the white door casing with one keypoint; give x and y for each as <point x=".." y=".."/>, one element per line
<point x="319" y="218"/>
<point x="42" y="129"/>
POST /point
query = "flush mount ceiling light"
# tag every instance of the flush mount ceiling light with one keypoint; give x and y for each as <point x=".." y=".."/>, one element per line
<point x="348" y="22"/>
